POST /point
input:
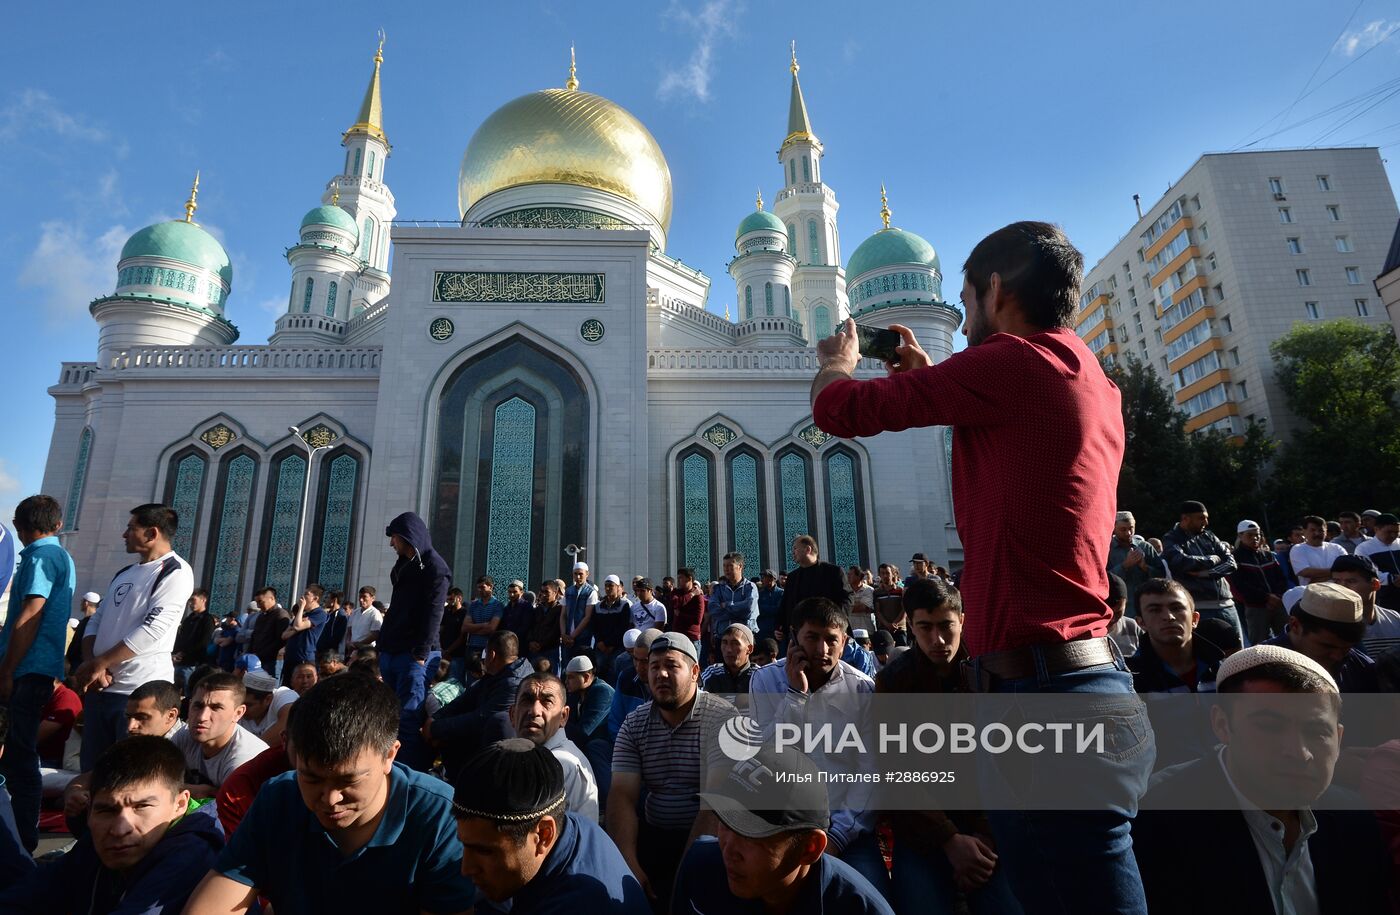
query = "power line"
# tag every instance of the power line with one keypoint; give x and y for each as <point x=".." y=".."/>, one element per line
<point x="1358" y="99"/>
<point x="1358" y="114"/>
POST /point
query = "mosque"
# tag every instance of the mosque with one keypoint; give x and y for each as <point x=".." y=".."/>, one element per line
<point x="541" y="375"/>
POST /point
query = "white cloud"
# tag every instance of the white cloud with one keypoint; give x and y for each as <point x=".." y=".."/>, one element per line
<point x="1366" y="37"/>
<point x="36" y="110"/>
<point x="714" y="20"/>
<point x="71" y="268"/>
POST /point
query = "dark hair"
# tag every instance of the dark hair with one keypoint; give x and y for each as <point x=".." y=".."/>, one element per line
<point x="821" y="613"/>
<point x="1292" y="677"/>
<point x="1117" y="590"/>
<point x="687" y="572"/>
<point x="805" y="540"/>
<point x="161" y="517"/>
<point x="1314" y="519"/>
<point x="342" y="716"/>
<point x="136" y="760"/>
<point x="335" y="597"/>
<point x="455" y="592"/>
<point x="266" y="589"/>
<point x="736" y="557"/>
<point x="444" y="669"/>
<point x="769" y="646"/>
<point x="317" y="590"/>
<point x="546" y="679"/>
<point x="504" y="643"/>
<point x="222" y="681"/>
<point x="666" y="579"/>
<point x="1349" y="515"/>
<point x="1038" y="267"/>
<point x="366" y="665"/>
<point x="931" y="594"/>
<point x="1347" y="632"/>
<point x="368" y="589"/>
<point x="1296" y="527"/>
<point x="486" y="580"/>
<point x="162" y="692"/>
<point x="200" y="592"/>
<point x="330" y="656"/>
<point x="1163" y="586"/>
<point x="39" y="515"/>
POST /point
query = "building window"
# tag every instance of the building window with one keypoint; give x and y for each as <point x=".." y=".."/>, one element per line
<point x="1353" y="276"/>
<point x="369" y="173"/>
<point x="1195" y="203"/>
<point x="75" y="487"/>
<point x="748" y="302"/>
<point x="821" y="322"/>
<point x="306" y="297"/>
<point x="1210" y="261"/>
<point x="1243" y="389"/>
<point x="1324" y="183"/>
<point x="1344" y="244"/>
<point x="183" y="489"/>
<point x="768" y="299"/>
<point x="1219" y="292"/>
<point x="330" y="300"/>
<point x="1304" y="277"/>
<point x="843" y="509"/>
<point x="1295" y="246"/>
<point x="696" y="530"/>
<point x="1225" y="325"/>
<point x="1362" y="311"/>
<point x="511" y="501"/>
<point x="1141" y="259"/>
<point x="367" y="241"/>
<point x="1158" y="332"/>
<point x="795" y="504"/>
<point x="792" y="239"/>
<point x="792" y="171"/>
<point x="813" y="245"/>
<point x="1276" y="185"/>
<point x="1205" y="232"/>
<point x="358" y="153"/>
<point x="331" y="546"/>
<point x="746" y="518"/>
<point x="806" y="169"/>
<point x="1285" y="215"/>
<point x="282" y="520"/>
<point x="1312" y="311"/>
<point x="1234" y="355"/>
<point x="787" y="301"/>
<point x="233" y="506"/>
<point x="1334" y="213"/>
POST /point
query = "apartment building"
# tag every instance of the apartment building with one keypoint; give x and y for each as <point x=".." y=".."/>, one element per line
<point x="1239" y="250"/>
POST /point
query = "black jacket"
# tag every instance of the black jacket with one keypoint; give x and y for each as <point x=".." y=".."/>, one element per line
<point x="480" y="715"/>
<point x="192" y="638"/>
<point x="1181" y="722"/>
<point x="822" y="579"/>
<point x="1350" y="864"/>
<point x="420" y="592"/>
<point x="1186" y="554"/>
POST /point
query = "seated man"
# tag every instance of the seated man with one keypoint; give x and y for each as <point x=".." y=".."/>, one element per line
<point x="539" y="715"/>
<point x="239" y="790"/>
<point x="526" y="853"/>
<point x="1278" y="841"/>
<point x="730" y="677"/>
<point x="145" y="848"/>
<point x="769" y="857"/>
<point x="590" y="701"/>
<point x="268" y="704"/>
<point x="1327" y="623"/>
<point x="350" y="830"/>
<point x="214" y="745"/>
<point x="481" y="715"/>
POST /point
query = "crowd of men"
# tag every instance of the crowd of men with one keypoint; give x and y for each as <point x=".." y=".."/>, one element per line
<point x="548" y="749"/>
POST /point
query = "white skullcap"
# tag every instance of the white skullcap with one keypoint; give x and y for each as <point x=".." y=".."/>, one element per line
<point x="1292" y="596"/>
<point x="629" y="638"/>
<point x="579" y="665"/>
<point x="93" y="597"/>
<point x="580" y="567"/>
<point x="613" y="579"/>
<point x="1328" y="600"/>
<point x="1254" y="656"/>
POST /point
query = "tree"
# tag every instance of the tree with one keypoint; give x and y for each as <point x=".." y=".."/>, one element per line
<point x="1342" y="378"/>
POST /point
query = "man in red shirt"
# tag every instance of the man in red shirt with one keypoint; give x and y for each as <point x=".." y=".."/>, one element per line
<point x="1037" y="444"/>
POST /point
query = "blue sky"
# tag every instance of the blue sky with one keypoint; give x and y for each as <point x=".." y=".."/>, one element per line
<point x="974" y="115"/>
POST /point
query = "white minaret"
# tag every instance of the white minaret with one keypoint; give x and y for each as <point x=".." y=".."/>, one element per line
<point x="363" y="193"/>
<point x="762" y="273"/>
<point x="808" y="208"/>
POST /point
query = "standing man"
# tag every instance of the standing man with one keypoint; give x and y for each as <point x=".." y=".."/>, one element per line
<point x="688" y="606"/>
<point x="1198" y="559"/>
<point x="131" y="636"/>
<point x="919" y="569"/>
<point x="575" y="626"/>
<point x="812" y="578"/>
<point x="408" y="638"/>
<point x="1259" y="581"/>
<point x="303" y="631"/>
<point x="192" y="641"/>
<point x="332" y="637"/>
<point x="862" y="599"/>
<point x="612" y="617"/>
<point x="770" y="603"/>
<point x="519" y="611"/>
<point x="1052" y="469"/>
<point x="1312" y="559"/>
<point x="734" y="599"/>
<point x="268" y="624"/>
<point x="87" y="606"/>
<point x="1132" y="558"/>
<point x="31" y="651"/>
<point x="363" y="627"/>
<point x="647" y="611"/>
<point x="1352" y="536"/>
<point x="483" y="616"/>
<point x="1384" y="550"/>
<point x="452" y="636"/>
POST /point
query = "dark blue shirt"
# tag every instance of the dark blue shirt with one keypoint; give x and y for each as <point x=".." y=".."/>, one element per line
<point x="832" y="885"/>
<point x="1356" y="673"/>
<point x="413" y="862"/>
<point x="583" y="873"/>
<point x="769" y="604"/>
<point x="302" y="646"/>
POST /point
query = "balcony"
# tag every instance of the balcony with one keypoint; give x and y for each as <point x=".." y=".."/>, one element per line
<point x="1212" y="415"/>
<point x="1165" y="238"/>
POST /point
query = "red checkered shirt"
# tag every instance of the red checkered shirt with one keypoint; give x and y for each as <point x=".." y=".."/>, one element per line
<point x="1037" y="444"/>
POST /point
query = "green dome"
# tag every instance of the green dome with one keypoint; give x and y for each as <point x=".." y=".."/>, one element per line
<point x="760" y="219"/>
<point x="889" y="247"/>
<point x="184" y="242"/>
<point x="331" y="216"/>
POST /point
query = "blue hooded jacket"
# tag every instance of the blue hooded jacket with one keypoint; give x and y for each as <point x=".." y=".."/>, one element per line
<point x="420" y="592"/>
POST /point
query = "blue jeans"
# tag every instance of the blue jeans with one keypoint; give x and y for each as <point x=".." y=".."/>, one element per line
<point x="104" y="723"/>
<point x="922" y="881"/>
<point x="20" y="761"/>
<point x="409" y="679"/>
<point x="1075" y="861"/>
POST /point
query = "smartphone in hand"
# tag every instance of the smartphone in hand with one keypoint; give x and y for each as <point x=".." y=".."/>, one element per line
<point x="878" y="343"/>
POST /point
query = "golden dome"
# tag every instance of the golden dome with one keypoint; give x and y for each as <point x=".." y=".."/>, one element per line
<point x="563" y="136"/>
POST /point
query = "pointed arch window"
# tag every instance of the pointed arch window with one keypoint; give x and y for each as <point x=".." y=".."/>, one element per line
<point x="821" y="322"/>
<point x="695" y="512"/>
<point x="806" y="169"/>
<point x="369" y="172"/>
<point x="184" y="487"/>
<point x="748" y="302"/>
<point x="330" y="300"/>
<point x="306" y="296"/>
<point x="347" y="161"/>
<point x="792" y="239"/>
<point x="845" y="527"/>
<point x="358" y="153"/>
<point x="794" y="495"/>
<point x="792" y="171"/>
<point x="787" y="301"/>
<point x="233" y="503"/>
<point x="813" y="245"/>
<point x="282" y="520"/>
<point x="292" y="298"/>
<point x="367" y="241"/>
<point x="768" y="298"/>
<point x="338" y="478"/>
<point x="75" y="488"/>
<point x="747" y="520"/>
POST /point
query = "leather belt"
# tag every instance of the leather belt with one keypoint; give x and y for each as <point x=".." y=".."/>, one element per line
<point x="1020" y="663"/>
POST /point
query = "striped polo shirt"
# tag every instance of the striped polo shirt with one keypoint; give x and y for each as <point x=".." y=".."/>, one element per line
<point x="670" y="760"/>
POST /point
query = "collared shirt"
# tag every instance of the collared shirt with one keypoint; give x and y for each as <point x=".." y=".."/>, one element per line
<point x="1349" y="544"/>
<point x="414" y="857"/>
<point x="670" y="759"/>
<point x="45" y="570"/>
<point x="483" y="613"/>
<point x="580" y="784"/>
<point x="1288" y="874"/>
<point x="363" y="621"/>
<point x="584" y="872"/>
<point x="650" y="615"/>
<point x="1042" y="454"/>
<point x="1383" y="634"/>
<point x="730" y="604"/>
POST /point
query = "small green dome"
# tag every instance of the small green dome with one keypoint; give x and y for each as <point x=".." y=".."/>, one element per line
<point x="184" y="242"/>
<point x="889" y="247"/>
<point x="331" y="216"/>
<point x="759" y="220"/>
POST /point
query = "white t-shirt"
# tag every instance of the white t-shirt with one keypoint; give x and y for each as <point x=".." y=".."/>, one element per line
<point x="1382" y="635"/>
<point x="361" y="624"/>
<point x="243" y="746"/>
<point x="1372" y="547"/>
<point x="143" y="608"/>
<point x="282" y="697"/>
<point x="1304" y="556"/>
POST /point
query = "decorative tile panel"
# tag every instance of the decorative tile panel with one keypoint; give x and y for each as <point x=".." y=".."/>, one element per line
<point x="814" y="436"/>
<point x="189" y="483"/>
<point x="217" y="436"/>
<point x="286" y="524"/>
<point x="841" y="503"/>
<point x="337" y="514"/>
<point x="512" y="491"/>
<point x="320" y="435"/>
<point x="719" y="435"/>
<point x="455" y="286"/>
<point x="695" y="518"/>
<point x="744" y="500"/>
<point x="792" y="474"/>
<point x="75" y="489"/>
<point x="232" y="537"/>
